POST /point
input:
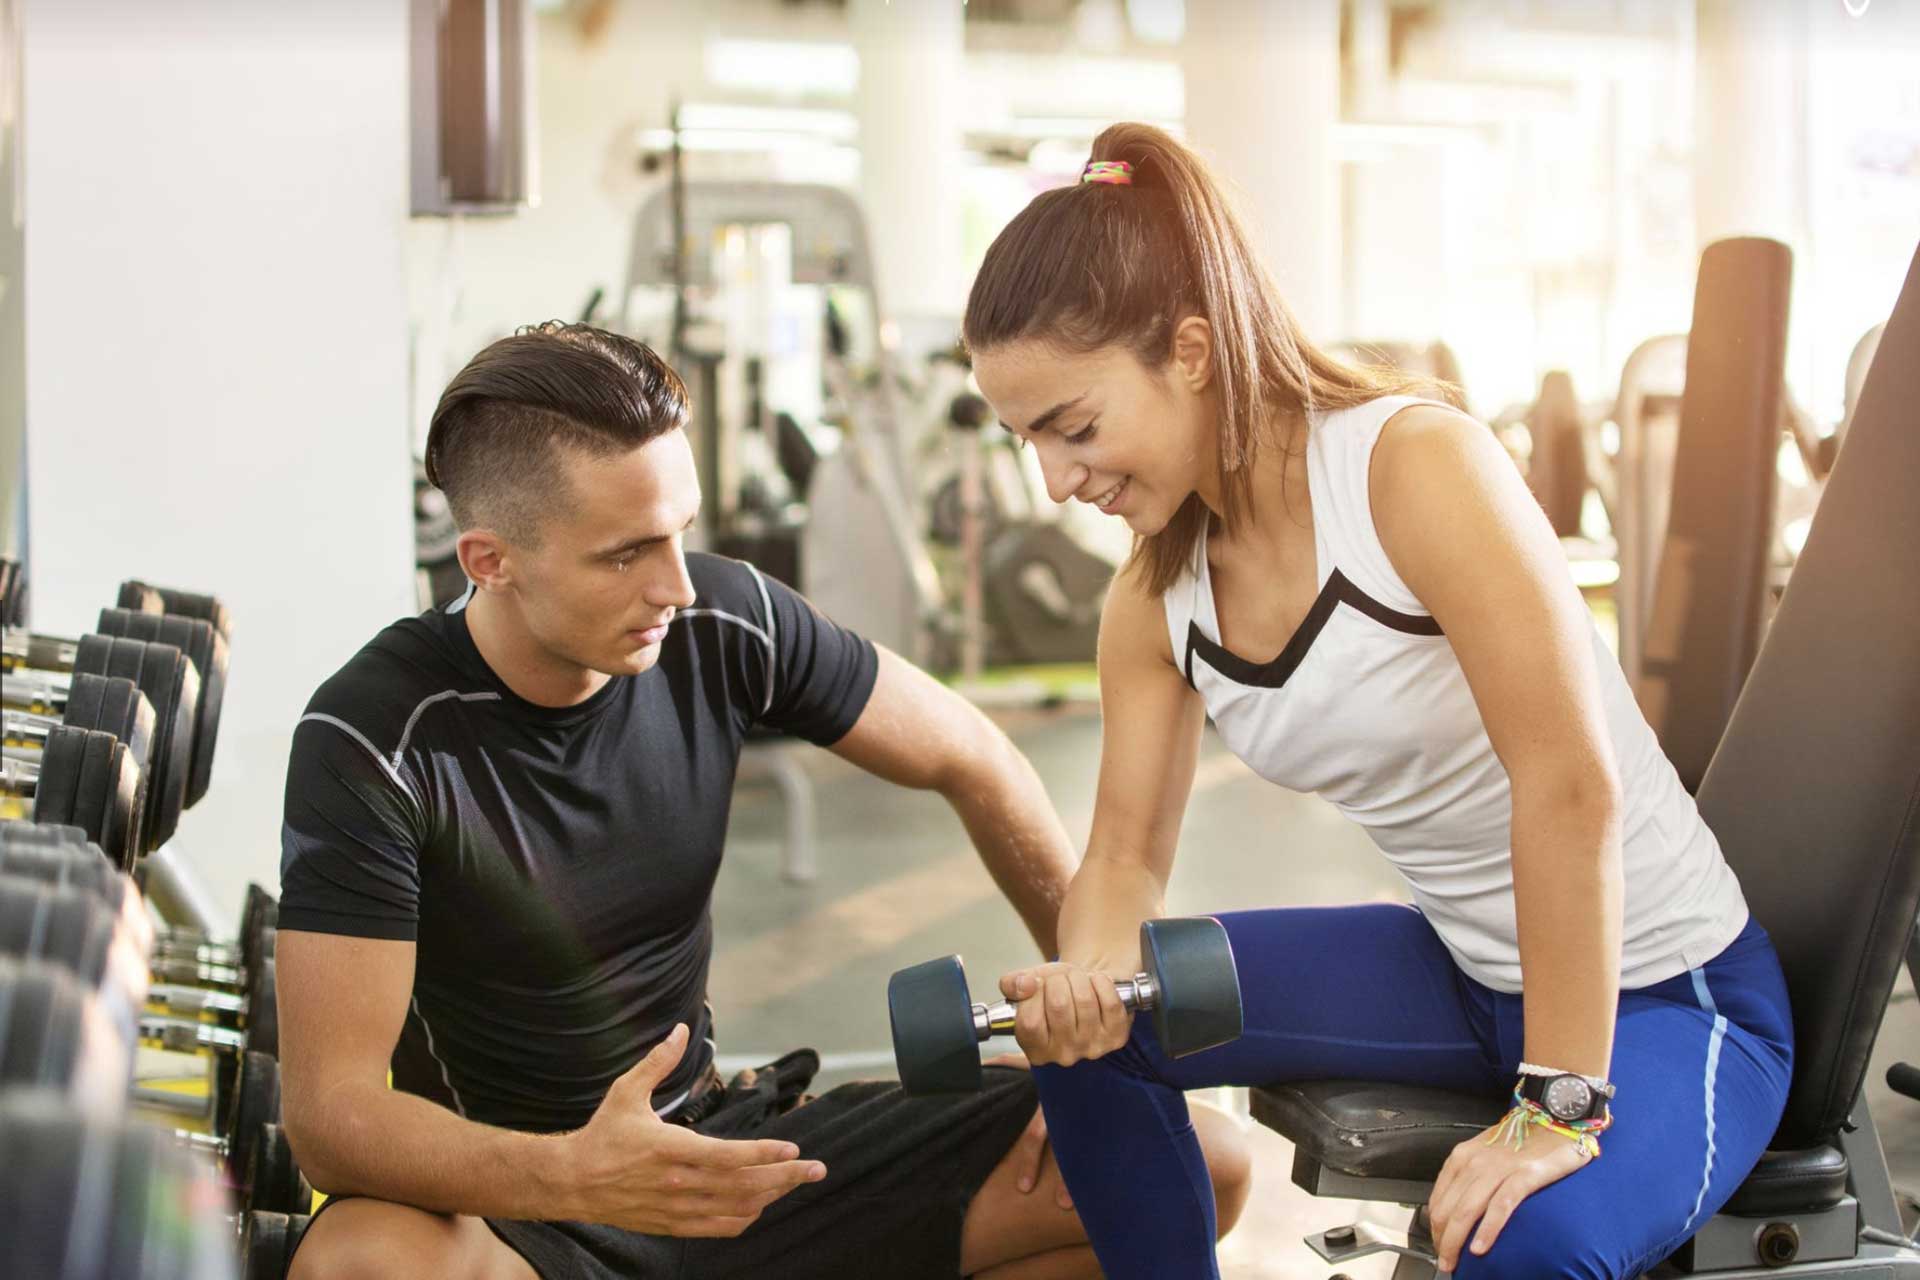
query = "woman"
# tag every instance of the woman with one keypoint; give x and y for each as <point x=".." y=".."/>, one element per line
<point x="1357" y="588"/>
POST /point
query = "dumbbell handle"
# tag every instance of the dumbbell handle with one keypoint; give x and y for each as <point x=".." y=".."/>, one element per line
<point x="19" y="771"/>
<point x="44" y="692"/>
<point x="201" y="1142"/>
<point x="181" y="969"/>
<point x="215" y="953"/>
<point x="186" y="1037"/>
<point x="184" y="1000"/>
<point x="1139" y="992"/>
<point x="25" y="730"/>
<point x="41" y="652"/>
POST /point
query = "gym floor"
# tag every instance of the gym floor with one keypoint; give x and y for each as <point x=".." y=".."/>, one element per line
<point x="899" y="883"/>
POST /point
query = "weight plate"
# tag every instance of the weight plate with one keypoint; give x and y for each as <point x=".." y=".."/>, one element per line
<point x="1191" y="961"/>
<point x="41" y="1008"/>
<point x="61" y="926"/>
<point x="140" y="598"/>
<point x="256" y="1102"/>
<point x="81" y="867"/>
<point x="59" y="780"/>
<point x="206" y="649"/>
<point x="263" y="1011"/>
<point x="934" y="1044"/>
<point x="42" y="835"/>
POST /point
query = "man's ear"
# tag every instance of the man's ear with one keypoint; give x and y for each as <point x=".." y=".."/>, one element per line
<point x="1192" y="353"/>
<point x="485" y="560"/>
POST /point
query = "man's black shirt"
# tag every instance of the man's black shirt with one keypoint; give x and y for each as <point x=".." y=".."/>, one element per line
<point x="554" y="866"/>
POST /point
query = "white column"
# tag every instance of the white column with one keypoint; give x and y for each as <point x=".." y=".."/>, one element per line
<point x="217" y="349"/>
<point x="1750" y="145"/>
<point x="910" y="149"/>
<point x="1263" y="95"/>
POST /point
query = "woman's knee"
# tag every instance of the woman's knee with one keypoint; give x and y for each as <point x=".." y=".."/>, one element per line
<point x="1530" y="1254"/>
<point x="364" y="1238"/>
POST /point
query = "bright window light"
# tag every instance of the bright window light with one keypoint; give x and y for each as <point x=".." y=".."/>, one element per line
<point x="783" y="66"/>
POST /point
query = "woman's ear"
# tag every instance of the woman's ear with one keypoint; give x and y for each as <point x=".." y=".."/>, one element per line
<point x="1193" y="353"/>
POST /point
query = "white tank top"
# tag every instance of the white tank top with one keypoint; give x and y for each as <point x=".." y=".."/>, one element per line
<point x="1368" y="708"/>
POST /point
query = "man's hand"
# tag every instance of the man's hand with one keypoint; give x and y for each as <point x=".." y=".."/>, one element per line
<point x="633" y="1170"/>
<point x="1032" y="1144"/>
<point x="1485" y="1183"/>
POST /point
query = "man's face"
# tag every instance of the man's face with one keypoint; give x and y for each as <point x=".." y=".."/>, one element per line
<point x="610" y="571"/>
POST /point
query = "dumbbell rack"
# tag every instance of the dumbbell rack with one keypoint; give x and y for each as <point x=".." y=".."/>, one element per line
<point x="85" y="816"/>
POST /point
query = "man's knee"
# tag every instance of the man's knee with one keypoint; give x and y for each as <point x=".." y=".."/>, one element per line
<point x="1223" y="1140"/>
<point x="364" y="1238"/>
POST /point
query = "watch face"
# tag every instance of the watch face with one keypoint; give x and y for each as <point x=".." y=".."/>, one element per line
<point x="1568" y="1097"/>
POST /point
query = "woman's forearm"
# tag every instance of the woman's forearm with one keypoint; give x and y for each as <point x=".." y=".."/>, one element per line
<point x="1100" y="919"/>
<point x="1568" y="895"/>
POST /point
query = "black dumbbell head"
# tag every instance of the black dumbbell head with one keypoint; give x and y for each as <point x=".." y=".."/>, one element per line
<point x="934" y="1043"/>
<point x="263" y="1009"/>
<point x="267" y="1242"/>
<point x="42" y="835"/>
<point x="274" y="1181"/>
<point x="151" y="599"/>
<point x="87" y="779"/>
<point x="1191" y="961"/>
<point x="256" y="1103"/>
<point x="207" y="650"/>
<point x="116" y="706"/>
<point x="83" y="1198"/>
<point x="165" y="675"/>
<point x="61" y="926"/>
<point x="56" y="1034"/>
<point x="259" y="913"/>
<point x="72" y="866"/>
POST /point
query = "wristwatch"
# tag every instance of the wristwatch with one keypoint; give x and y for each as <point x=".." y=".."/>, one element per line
<point x="1567" y="1097"/>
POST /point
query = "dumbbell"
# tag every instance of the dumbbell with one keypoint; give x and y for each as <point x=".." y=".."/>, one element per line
<point x="206" y="647"/>
<point x="144" y="598"/>
<point x="267" y="1242"/>
<point x="259" y="915"/>
<point x="110" y="704"/>
<point x="83" y="777"/>
<point x="69" y="927"/>
<point x="56" y="1034"/>
<point x="82" y="1198"/>
<point x="1190" y="986"/>
<point x="50" y="856"/>
<point x="182" y="984"/>
<point x="73" y="929"/>
<point x="38" y="670"/>
<point x="254" y="942"/>
<point x="249" y="1144"/>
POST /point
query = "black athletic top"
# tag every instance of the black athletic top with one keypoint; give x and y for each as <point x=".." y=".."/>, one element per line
<point x="553" y="865"/>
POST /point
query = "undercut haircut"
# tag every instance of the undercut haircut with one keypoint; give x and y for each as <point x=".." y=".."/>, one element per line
<point x="499" y="434"/>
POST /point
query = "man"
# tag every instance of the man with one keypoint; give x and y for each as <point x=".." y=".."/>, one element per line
<point x="503" y="824"/>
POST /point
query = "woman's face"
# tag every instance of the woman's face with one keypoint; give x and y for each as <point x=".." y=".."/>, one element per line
<point x="1109" y="431"/>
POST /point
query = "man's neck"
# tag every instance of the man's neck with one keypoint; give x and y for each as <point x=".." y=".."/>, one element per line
<point x="513" y="655"/>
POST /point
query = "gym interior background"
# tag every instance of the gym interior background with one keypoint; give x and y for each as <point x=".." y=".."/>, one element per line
<point x="246" y="244"/>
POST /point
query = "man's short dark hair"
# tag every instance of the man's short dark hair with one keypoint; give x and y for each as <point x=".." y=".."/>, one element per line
<point x="495" y="446"/>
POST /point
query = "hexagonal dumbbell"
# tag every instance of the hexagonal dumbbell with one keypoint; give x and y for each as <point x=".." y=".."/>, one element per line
<point x="1189" y="985"/>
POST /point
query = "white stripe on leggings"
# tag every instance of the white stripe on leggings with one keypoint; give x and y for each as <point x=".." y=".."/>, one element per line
<point x="1713" y="1067"/>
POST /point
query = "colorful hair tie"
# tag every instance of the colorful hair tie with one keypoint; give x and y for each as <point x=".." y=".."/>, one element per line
<point x="1114" y="172"/>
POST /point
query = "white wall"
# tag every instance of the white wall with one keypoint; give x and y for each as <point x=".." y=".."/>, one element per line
<point x="216" y="347"/>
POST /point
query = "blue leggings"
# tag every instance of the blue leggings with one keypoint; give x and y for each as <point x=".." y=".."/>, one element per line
<point x="1702" y="1062"/>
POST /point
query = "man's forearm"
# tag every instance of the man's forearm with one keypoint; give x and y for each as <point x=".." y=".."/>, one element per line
<point x="372" y="1141"/>
<point x="1020" y="838"/>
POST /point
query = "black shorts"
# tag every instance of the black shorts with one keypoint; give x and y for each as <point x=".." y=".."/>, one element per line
<point x="901" y="1172"/>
